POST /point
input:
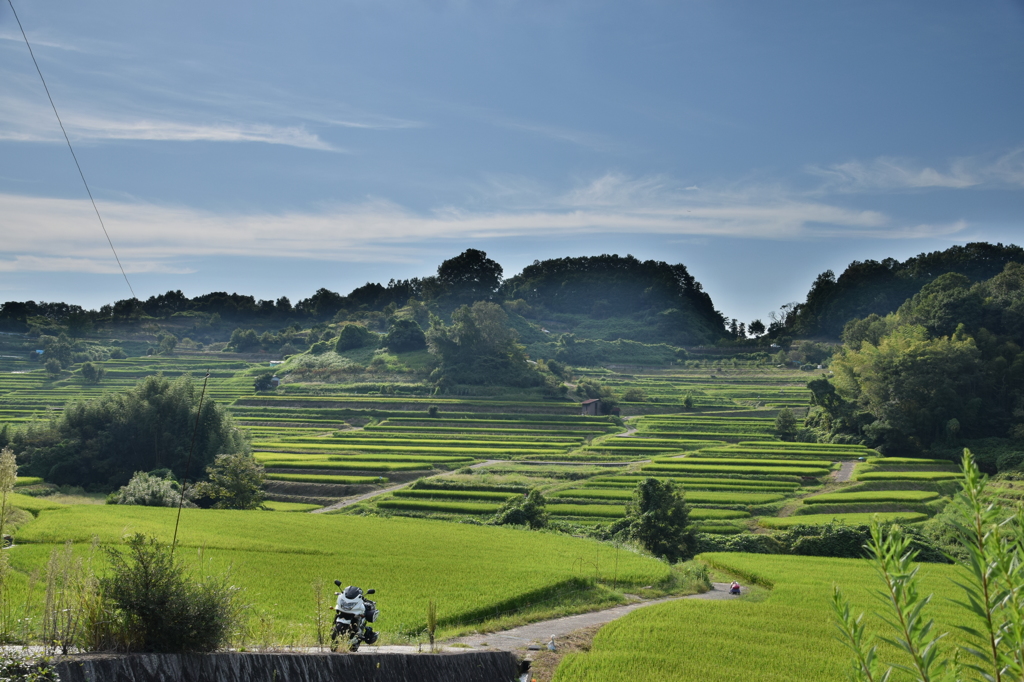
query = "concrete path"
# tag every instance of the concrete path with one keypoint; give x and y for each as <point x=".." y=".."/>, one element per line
<point x="349" y="501"/>
<point x="539" y="633"/>
<point x="845" y="472"/>
<point x="535" y="634"/>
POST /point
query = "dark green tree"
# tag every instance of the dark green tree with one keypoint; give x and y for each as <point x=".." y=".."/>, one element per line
<point x="235" y="482"/>
<point x="529" y="510"/>
<point x="404" y="336"/>
<point x="52" y="367"/>
<point x="470" y="276"/>
<point x="92" y="373"/>
<point x="785" y="424"/>
<point x="657" y="518"/>
<point x="100" y="443"/>
<point x="352" y="336"/>
<point x="244" y="341"/>
<point x="264" y="382"/>
<point x="479" y="348"/>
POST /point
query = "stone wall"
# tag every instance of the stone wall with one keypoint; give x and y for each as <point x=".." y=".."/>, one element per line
<point x="246" y="667"/>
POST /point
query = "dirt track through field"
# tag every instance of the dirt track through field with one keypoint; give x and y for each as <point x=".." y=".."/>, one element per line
<point x="521" y="638"/>
<point x="845" y="472"/>
<point x="349" y="501"/>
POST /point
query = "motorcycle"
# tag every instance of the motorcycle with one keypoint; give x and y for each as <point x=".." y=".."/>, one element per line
<point x="352" y="614"/>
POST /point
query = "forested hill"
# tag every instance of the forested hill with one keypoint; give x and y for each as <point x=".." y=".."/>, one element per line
<point x="670" y="303"/>
<point x="604" y="297"/>
<point x="880" y="287"/>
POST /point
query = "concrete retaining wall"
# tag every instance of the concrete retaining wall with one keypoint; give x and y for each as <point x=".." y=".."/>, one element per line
<point x="243" y="667"/>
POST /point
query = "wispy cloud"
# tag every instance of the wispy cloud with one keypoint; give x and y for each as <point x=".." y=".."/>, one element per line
<point x="99" y="266"/>
<point x="16" y="37"/>
<point x="61" y="234"/>
<point x="896" y="174"/>
<point x="24" y="122"/>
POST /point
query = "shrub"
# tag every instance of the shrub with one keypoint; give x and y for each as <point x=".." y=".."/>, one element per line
<point x="159" y="606"/>
<point x="243" y="340"/>
<point x="118" y="354"/>
<point x="99" y="444"/>
<point x="236" y="482"/>
<point x="150" y="490"/>
<point x="352" y="336"/>
<point x="404" y="336"/>
<point x="92" y="373"/>
<point x="264" y="382"/>
<point x="527" y="511"/>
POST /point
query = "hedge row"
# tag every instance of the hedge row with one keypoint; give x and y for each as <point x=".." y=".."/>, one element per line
<point x="723" y="469"/>
<point x="876" y="496"/>
<point x="326" y="478"/>
<point x="455" y="495"/>
<point x="848" y="519"/>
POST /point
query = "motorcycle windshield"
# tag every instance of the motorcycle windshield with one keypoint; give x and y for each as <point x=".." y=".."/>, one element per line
<point x="353" y="606"/>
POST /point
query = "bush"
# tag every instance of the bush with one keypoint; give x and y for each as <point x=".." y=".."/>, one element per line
<point x="746" y="542"/>
<point x="527" y="511"/>
<point x="118" y="354"/>
<point x="352" y="336"/>
<point x="100" y="443"/>
<point x="236" y="482"/>
<point x="243" y="340"/>
<point x="158" y="606"/>
<point x="150" y="490"/>
<point x="264" y="382"/>
<point x="404" y="336"/>
<point x="92" y="373"/>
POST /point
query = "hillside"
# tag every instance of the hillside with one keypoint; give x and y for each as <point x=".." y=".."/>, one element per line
<point x="880" y="287"/>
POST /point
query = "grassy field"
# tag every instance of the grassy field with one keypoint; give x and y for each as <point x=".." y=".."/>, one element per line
<point x="785" y="635"/>
<point x="276" y="557"/>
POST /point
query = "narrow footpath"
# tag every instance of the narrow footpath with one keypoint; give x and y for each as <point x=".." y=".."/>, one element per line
<point x="538" y="634"/>
<point x="845" y="472"/>
<point x="349" y="501"/>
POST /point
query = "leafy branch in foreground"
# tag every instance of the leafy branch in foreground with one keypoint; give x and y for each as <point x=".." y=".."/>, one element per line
<point x="993" y="598"/>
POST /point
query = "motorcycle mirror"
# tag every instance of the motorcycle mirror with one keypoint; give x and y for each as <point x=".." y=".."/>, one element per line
<point x="371" y="591"/>
<point x="338" y="583"/>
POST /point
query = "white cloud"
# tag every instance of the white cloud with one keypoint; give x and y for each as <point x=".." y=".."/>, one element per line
<point x="894" y="174"/>
<point x="31" y="123"/>
<point x="99" y="266"/>
<point x="44" y="234"/>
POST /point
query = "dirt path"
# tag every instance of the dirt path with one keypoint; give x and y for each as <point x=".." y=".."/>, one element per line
<point x="845" y="472"/>
<point x="349" y="501"/>
<point x="535" y="634"/>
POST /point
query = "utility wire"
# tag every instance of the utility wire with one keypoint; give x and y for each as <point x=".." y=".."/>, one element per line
<point x="191" y="447"/>
<point x="72" y="149"/>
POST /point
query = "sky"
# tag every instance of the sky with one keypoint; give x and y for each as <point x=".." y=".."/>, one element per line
<point x="275" y="148"/>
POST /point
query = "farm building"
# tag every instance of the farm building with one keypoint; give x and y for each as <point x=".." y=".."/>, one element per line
<point x="591" y="407"/>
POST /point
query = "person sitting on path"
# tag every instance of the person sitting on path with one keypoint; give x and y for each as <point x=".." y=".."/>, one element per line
<point x="734" y="588"/>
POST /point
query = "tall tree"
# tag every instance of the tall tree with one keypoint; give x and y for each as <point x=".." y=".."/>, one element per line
<point x="470" y="276"/>
<point x="657" y="518"/>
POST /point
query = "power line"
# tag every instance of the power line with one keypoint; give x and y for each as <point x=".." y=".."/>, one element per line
<point x="72" y="149"/>
<point x="191" y="447"/>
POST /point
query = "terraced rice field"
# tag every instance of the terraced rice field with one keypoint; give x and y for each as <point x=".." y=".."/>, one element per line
<point x="722" y="452"/>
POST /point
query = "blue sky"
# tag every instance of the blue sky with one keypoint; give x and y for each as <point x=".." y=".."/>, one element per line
<point x="275" y="148"/>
